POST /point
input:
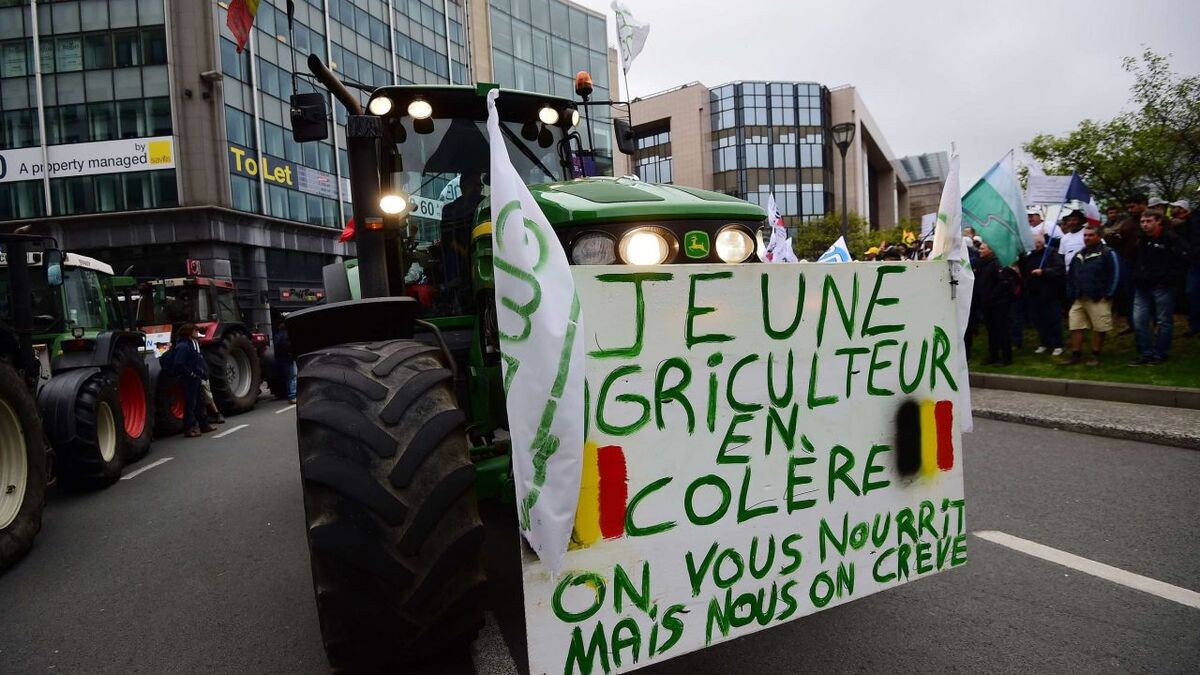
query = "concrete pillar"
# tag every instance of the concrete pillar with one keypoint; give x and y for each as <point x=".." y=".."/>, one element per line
<point x="260" y="315"/>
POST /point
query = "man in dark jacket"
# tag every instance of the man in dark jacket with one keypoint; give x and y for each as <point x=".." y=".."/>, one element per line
<point x="1159" y="263"/>
<point x="1092" y="282"/>
<point x="189" y="367"/>
<point x="995" y="288"/>
<point x="1044" y="274"/>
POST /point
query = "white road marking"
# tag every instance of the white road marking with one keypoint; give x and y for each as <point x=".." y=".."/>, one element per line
<point x="1116" y="575"/>
<point x="225" y="433"/>
<point x="149" y="466"/>
<point x="283" y="410"/>
<point x="489" y="653"/>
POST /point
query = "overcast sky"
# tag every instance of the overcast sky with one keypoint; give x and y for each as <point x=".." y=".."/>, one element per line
<point x="985" y="75"/>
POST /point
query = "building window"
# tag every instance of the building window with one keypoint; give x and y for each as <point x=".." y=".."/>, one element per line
<point x="652" y="159"/>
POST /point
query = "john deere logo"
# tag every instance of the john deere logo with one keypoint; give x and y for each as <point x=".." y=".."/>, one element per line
<point x="695" y="244"/>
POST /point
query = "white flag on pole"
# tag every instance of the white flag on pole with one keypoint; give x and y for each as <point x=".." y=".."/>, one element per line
<point x="631" y="34"/>
<point x="541" y="340"/>
<point x="837" y="253"/>
<point x="949" y="245"/>
<point x="779" y="248"/>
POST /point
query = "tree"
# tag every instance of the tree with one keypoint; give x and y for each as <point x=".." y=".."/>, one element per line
<point x="1154" y="148"/>
<point x="811" y="239"/>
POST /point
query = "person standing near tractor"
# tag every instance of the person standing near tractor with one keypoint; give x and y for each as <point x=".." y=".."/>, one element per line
<point x="189" y="364"/>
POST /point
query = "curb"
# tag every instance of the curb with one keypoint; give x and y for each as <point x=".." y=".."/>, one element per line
<point x="1143" y="394"/>
<point x="1189" y="442"/>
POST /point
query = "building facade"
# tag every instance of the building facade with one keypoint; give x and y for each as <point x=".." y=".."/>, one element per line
<point x="754" y="139"/>
<point x="925" y="176"/>
<point x="139" y="135"/>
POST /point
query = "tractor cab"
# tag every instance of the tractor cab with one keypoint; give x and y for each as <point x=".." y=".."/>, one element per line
<point x="72" y="303"/>
<point x="232" y="350"/>
<point x="166" y="304"/>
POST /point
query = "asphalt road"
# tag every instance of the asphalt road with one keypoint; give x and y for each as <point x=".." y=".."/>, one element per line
<point x="199" y="565"/>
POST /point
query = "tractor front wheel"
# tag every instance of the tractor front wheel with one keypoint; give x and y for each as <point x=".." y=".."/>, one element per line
<point x="235" y="373"/>
<point x="394" y="533"/>
<point x="22" y="468"/>
<point x="95" y="457"/>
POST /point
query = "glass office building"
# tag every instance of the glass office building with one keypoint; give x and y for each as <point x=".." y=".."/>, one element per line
<point x="162" y="143"/>
<point x="773" y="137"/>
<point x="91" y="79"/>
<point x="539" y="46"/>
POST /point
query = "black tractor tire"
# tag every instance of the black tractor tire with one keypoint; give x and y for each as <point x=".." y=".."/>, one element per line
<point x="95" y="457"/>
<point x="394" y="533"/>
<point x="168" y="406"/>
<point x="20" y="437"/>
<point x="234" y="398"/>
<point x="137" y="403"/>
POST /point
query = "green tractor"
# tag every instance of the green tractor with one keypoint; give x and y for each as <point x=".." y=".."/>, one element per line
<point x="401" y="418"/>
<point x="94" y="384"/>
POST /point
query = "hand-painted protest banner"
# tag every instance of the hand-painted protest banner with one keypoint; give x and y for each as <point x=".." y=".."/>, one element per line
<point x="762" y="442"/>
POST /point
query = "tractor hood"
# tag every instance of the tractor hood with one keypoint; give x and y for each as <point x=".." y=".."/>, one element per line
<point x="588" y="201"/>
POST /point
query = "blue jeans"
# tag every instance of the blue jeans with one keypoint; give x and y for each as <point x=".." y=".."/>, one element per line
<point x="1161" y="303"/>
<point x="290" y="373"/>
<point x="1193" y="294"/>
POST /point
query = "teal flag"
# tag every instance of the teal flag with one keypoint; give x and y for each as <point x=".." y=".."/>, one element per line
<point x="995" y="208"/>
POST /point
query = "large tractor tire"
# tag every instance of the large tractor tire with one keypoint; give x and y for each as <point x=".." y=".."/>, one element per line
<point x="137" y="405"/>
<point x="234" y="372"/>
<point x="168" y="407"/>
<point x="394" y="533"/>
<point x="22" y="468"/>
<point x="95" y="457"/>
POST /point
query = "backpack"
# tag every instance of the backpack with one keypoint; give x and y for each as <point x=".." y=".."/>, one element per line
<point x="167" y="362"/>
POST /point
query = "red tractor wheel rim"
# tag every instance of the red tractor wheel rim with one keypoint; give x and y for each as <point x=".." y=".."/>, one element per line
<point x="133" y="403"/>
<point x="177" y="399"/>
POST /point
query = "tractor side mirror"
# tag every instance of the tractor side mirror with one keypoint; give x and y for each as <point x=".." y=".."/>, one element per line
<point x="310" y="118"/>
<point x="625" y="140"/>
<point x="52" y="258"/>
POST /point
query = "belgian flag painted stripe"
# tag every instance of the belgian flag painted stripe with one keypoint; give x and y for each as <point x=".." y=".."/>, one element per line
<point x="603" y="494"/>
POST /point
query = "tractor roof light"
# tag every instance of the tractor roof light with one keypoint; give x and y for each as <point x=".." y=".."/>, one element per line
<point x="583" y="84"/>
<point x="380" y="105"/>
<point x="572" y="116"/>
<point x="393" y="204"/>
<point x="420" y="109"/>
<point x="548" y="116"/>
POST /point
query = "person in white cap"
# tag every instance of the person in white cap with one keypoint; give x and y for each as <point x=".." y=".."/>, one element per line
<point x="1181" y="209"/>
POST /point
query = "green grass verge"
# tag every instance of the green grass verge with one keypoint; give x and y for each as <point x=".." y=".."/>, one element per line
<point x="1182" y="368"/>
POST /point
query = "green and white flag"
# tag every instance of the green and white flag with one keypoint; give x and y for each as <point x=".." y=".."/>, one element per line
<point x="631" y="35"/>
<point x="949" y="245"/>
<point x="541" y="341"/>
<point x="995" y="207"/>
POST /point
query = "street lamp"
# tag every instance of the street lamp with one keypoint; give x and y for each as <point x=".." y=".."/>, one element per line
<point x="843" y="136"/>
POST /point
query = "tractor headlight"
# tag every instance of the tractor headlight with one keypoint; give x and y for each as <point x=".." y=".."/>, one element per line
<point x="380" y="105"/>
<point x="594" y="248"/>
<point x="645" y="246"/>
<point x="393" y="204"/>
<point x="734" y="245"/>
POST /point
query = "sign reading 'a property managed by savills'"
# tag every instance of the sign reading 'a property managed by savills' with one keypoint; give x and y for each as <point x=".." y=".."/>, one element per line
<point x="87" y="159"/>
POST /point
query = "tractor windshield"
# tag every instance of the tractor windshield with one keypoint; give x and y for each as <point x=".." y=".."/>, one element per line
<point x="173" y="305"/>
<point x="444" y="173"/>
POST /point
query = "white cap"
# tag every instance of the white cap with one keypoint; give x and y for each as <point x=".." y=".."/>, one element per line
<point x="1157" y="202"/>
<point x="1183" y="204"/>
<point x="1033" y="211"/>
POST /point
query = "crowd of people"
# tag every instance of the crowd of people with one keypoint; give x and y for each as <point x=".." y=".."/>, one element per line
<point x="1136" y="265"/>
